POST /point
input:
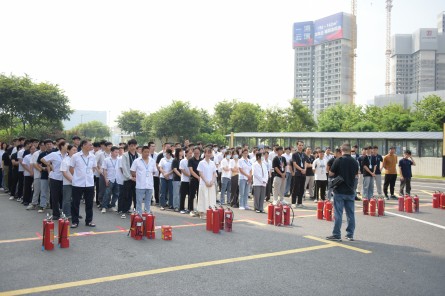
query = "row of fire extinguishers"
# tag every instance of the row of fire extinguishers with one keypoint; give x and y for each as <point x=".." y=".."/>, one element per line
<point x="144" y="226"/>
<point x="218" y="219"/>
<point x="48" y="233"/>
<point x="409" y="204"/>
<point x="439" y="200"/>
<point x="279" y="214"/>
<point x="325" y="210"/>
<point x="374" y="206"/>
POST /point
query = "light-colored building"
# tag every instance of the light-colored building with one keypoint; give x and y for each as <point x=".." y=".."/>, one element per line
<point x="323" y="61"/>
<point x="83" y="116"/>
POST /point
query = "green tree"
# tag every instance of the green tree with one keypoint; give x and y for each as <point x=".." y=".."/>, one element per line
<point x="428" y="115"/>
<point x="207" y="124"/>
<point x="131" y="121"/>
<point x="299" y="117"/>
<point x="274" y="119"/>
<point x="92" y="130"/>
<point x="221" y="118"/>
<point x="245" y="117"/>
<point x="214" y="138"/>
<point x="394" y="118"/>
<point x="339" y="118"/>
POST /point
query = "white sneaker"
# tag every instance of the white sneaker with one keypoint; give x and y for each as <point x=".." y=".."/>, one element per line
<point x="104" y="210"/>
<point x="41" y="210"/>
<point x="11" y="198"/>
<point x="242" y="208"/>
<point x="114" y="209"/>
<point x="247" y="208"/>
<point x="192" y="214"/>
<point x="123" y="216"/>
<point x="315" y="200"/>
<point x="31" y="207"/>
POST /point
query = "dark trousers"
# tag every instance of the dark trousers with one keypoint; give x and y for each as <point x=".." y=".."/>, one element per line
<point x="193" y="190"/>
<point x="20" y="179"/>
<point x="184" y="191"/>
<point x="88" y="194"/>
<point x="13" y="185"/>
<point x="298" y="189"/>
<point x="96" y="186"/>
<point x="129" y="195"/>
<point x="121" y="200"/>
<point x="103" y="188"/>
<point x="234" y="191"/>
<point x="320" y="189"/>
<point x="390" y="180"/>
<point x="269" y="188"/>
<point x="56" y="193"/>
<point x="156" y="185"/>
<point x="27" y="189"/>
<point x="405" y="183"/>
<point x="218" y="179"/>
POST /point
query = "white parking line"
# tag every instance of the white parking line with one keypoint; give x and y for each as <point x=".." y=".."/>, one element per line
<point x="417" y="220"/>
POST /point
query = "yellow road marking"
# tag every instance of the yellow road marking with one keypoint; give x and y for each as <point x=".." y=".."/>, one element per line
<point x="427" y="192"/>
<point x="163" y="270"/>
<point x="339" y="244"/>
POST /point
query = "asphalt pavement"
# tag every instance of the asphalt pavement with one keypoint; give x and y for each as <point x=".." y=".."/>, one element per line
<point x="396" y="254"/>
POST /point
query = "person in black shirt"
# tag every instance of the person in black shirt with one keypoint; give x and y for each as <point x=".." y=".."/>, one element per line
<point x="377" y="160"/>
<point x="337" y="154"/>
<point x="310" y="182"/>
<point x="300" y="164"/>
<point x="176" y="177"/>
<point x="346" y="167"/>
<point x="279" y="176"/>
<point x="368" y="174"/>
<point x="15" y="174"/>
<point x="194" y="179"/>
<point x="6" y="167"/>
<point x="360" y="172"/>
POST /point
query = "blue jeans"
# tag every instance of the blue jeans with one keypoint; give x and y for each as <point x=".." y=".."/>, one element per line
<point x="288" y="182"/>
<point x="166" y="186"/>
<point x="244" y="189"/>
<point x="140" y="195"/>
<point x="225" y="186"/>
<point x="344" y="201"/>
<point x="176" y="186"/>
<point x="113" y="188"/>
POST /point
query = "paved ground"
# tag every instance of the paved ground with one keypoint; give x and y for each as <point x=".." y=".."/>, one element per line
<point x="392" y="255"/>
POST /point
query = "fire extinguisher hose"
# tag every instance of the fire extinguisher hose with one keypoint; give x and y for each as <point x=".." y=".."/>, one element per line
<point x="293" y="216"/>
<point x="131" y="226"/>
<point x="43" y="237"/>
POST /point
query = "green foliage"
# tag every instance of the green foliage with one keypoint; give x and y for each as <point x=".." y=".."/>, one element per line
<point x="94" y="130"/>
<point x="214" y="138"/>
<point x="245" y="117"/>
<point x="428" y="115"/>
<point x="222" y="112"/>
<point x="273" y="119"/>
<point x="395" y="118"/>
<point x="340" y="118"/>
<point x="299" y="118"/>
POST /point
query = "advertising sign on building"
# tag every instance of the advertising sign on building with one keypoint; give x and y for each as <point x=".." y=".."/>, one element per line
<point x="328" y="28"/>
<point x="303" y="34"/>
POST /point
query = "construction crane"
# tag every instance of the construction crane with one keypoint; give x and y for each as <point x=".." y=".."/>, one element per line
<point x="353" y="46"/>
<point x="388" y="46"/>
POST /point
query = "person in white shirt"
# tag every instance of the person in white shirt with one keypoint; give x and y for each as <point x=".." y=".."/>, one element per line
<point x="101" y="155"/>
<point x="179" y="154"/>
<point x="321" y="179"/>
<point x="53" y="161"/>
<point x="185" y="180"/>
<point x="20" y="176"/>
<point x="82" y="167"/>
<point x="110" y="168"/>
<point x="288" y="157"/>
<point x="226" y="178"/>
<point x="36" y="177"/>
<point x="143" y="169"/>
<point x="28" y="178"/>
<point x="207" y="174"/>
<point x="260" y="178"/>
<point x="234" y="182"/>
<point x="245" y="179"/>
<point x="67" y="179"/>
<point x="166" y="178"/>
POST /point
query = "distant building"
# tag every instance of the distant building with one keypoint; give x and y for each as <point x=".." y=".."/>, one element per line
<point x="417" y="65"/>
<point x="83" y="116"/>
<point x="323" y="61"/>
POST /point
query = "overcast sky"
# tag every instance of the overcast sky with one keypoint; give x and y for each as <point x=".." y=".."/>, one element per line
<point x="116" y="55"/>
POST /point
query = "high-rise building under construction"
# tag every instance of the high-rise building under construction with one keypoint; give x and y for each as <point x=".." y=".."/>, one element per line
<point x="324" y="61"/>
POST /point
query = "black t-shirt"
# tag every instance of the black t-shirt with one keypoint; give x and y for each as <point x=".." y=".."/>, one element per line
<point x="367" y="162"/>
<point x="346" y="167"/>
<point x="44" y="174"/>
<point x="193" y="163"/>
<point x="376" y="160"/>
<point x="309" y="171"/>
<point x="159" y="157"/>
<point x="360" y="162"/>
<point x="330" y="162"/>
<point x="14" y="157"/>
<point x="300" y="159"/>
<point x="6" y="159"/>
<point x="175" y="165"/>
<point x="280" y="163"/>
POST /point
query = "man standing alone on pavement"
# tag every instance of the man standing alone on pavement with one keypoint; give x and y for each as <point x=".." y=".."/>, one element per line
<point x="344" y="167"/>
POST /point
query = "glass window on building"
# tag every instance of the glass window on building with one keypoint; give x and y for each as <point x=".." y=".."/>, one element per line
<point x="325" y="143"/>
<point x="365" y="143"/>
<point x="428" y="148"/>
<point x="412" y="145"/>
<point x="317" y="143"/>
<point x="338" y="142"/>
<point x="381" y="144"/>
<point x="399" y="146"/>
<point x="439" y="148"/>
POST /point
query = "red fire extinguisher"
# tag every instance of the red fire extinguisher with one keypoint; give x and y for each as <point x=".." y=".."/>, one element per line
<point x="132" y="230"/>
<point x="409" y="204"/>
<point x="215" y="220"/>
<point x="416" y="203"/>
<point x="149" y="226"/>
<point x="138" y="227"/>
<point x="278" y="215"/>
<point x="320" y="205"/>
<point x="228" y="213"/>
<point x="48" y="234"/>
<point x="221" y="217"/>
<point x="209" y="219"/>
<point x="436" y="199"/>
<point x="64" y="232"/>
<point x="381" y="207"/>
<point x="270" y="214"/>
<point x="286" y="215"/>
<point x="401" y="204"/>
<point x="372" y="207"/>
<point x="328" y="210"/>
<point x="442" y="201"/>
<point x="365" y="206"/>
